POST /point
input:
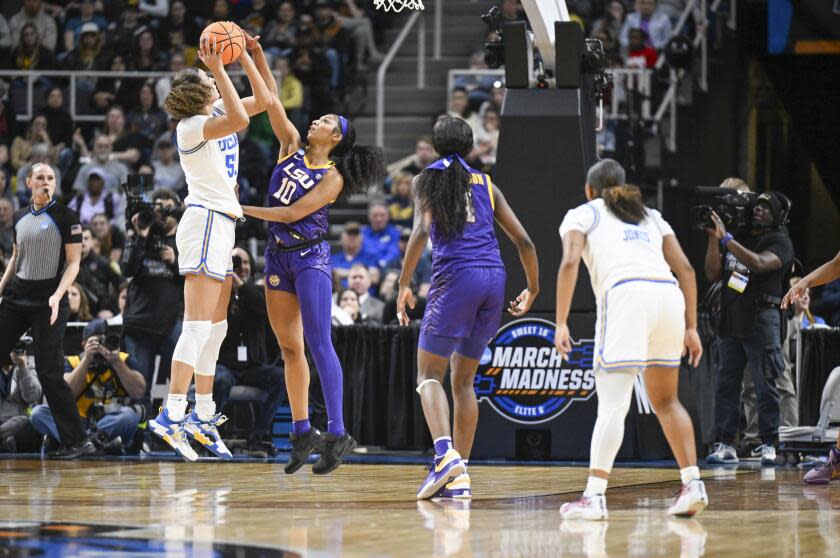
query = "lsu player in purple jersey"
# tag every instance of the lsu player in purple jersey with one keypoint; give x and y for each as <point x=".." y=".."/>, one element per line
<point x="456" y="207"/>
<point x="308" y="178"/>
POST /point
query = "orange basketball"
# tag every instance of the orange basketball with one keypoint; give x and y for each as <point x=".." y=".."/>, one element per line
<point x="229" y="39"/>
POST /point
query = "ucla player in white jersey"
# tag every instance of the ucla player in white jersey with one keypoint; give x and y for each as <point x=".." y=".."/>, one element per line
<point x="646" y="322"/>
<point x="210" y="114"/>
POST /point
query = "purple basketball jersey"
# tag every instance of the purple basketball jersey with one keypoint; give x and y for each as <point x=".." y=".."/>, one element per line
<point x="292" y="179"/>
<point x="476" y="246"/>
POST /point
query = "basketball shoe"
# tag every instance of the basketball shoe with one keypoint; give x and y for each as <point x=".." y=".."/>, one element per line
<point x="444" y="468"/>
<point x="593" y="508"/>
<point x="826" y="472"/>
<point x="302" y="445"/>
<point x="457" y="489"/>
<point x="205" y="433"/>
<point x="333" y="451"/>
<point x="172" y="433"/>
<point x="691" y="500"/>
<point x="768" y="454"/>
<point x="722" y="454"/>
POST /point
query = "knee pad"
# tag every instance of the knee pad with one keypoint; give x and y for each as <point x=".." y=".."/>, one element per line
<point x="194" y="335"/>
<point x="206" y="365"/>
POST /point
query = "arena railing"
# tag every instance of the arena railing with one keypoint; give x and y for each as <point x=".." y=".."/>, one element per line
<point x="73" y="77"/>
<point x="640" y="80"/>
<point x="416" y="18"/>
<point x="624" y="79"/>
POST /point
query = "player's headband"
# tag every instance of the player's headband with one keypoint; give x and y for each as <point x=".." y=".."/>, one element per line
<point x="343" y="123"/>
<point x="444" y="162"/>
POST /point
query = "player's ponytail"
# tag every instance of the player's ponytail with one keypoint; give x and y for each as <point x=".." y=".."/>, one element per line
<point x="625" y="202"/>
<point x="362" y="167"/>
<point x="607" y="179"/>
<point x="442" y="187"/>
<point x="188" y="96"/>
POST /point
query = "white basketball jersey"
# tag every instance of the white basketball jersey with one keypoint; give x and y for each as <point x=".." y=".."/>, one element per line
<point x="616" y="250"/>
<point x="210" y="166"/>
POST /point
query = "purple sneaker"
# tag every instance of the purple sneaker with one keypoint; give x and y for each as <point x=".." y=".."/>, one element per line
<point x="826" y="472"/>
<point x="457" y="489"/>
<point x="445" y="468"/>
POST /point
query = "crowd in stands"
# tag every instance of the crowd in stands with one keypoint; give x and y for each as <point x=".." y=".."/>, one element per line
<point x="318" y="48"/>
<point x="128" y="277"/>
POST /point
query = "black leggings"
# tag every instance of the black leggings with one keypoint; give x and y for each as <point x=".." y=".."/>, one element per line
<point x="49" y="360"/>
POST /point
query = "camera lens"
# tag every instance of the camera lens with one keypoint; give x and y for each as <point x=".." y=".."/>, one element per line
<point x="146" y="218"/>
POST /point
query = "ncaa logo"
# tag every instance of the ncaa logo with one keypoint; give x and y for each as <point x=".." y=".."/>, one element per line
<point x="523" y="377"/>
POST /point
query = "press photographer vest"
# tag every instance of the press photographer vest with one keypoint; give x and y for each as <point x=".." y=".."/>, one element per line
<point x="99" y="386"/>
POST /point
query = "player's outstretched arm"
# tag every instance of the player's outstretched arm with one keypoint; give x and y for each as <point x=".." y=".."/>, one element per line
<point x="284" y="130"/>
<point x="827" y="272"/>
<point x="527" y="252"/>
<point x="235" y="117"/>
<point x="681" y="267"/>
<point x="327" y="191"/>
<point x="262" y="82"/>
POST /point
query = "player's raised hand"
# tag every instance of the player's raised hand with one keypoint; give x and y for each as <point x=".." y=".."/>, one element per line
<point x="796" y="292"/>
<point x="522" y="303"/>
<point x="251" y="43"/>
<point x="563" y="340"/>
<point x="693" y="347"/>
<point x="210" y="53"/>
<point x="406" y="297"/>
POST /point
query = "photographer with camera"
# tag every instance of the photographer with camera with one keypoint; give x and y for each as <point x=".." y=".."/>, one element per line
<point x="104" y="381"/>
<point x="45" y="261"/>
<point x="19" y="389"/>
<point x="155" y="304"/>
<point x="753" y="271"/>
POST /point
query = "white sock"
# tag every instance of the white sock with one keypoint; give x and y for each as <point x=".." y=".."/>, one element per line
<point x="595" y="486"/>
<point x="176" y="406"/>
<point x="690" y="474"/>
<point x="205" y="407"/>
<point x="466" y="462"/>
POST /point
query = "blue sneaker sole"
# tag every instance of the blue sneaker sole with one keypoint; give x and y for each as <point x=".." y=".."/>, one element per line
<point x="210" y="448"/>
<point x="721" y="461"/>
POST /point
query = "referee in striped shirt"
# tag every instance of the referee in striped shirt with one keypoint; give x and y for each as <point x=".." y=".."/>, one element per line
<point x="45" y="261"/>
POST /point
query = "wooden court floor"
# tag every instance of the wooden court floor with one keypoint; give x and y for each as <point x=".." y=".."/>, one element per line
<point x="369" y="510"/>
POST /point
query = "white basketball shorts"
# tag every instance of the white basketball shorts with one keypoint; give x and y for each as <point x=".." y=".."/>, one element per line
<point x="205" y="240"/>
<point x="641" y="323"/>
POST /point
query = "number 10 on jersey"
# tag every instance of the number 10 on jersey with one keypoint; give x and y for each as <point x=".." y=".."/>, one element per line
<point x="286" y="190"/>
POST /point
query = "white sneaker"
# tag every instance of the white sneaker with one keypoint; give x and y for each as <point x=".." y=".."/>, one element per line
<point x="722" y="455"/>
<point x="593" y="508"/>
<point x="768" y="455"/>
<point x="691" y="501"/>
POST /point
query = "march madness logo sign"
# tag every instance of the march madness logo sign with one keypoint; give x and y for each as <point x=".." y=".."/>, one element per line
<point x="523" y="377"/>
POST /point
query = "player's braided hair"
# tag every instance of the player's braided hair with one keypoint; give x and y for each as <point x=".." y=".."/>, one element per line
<point x="444" y="192"/>
<point x="361" y="166"/>
<point x="188" y="96"/>
<point x="607" y="179"/>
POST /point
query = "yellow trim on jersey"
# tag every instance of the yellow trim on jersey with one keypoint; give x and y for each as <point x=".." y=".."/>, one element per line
<point x="280" y="158"/>
<point x="311" y="167"/>
<point x="490" y="191"/>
